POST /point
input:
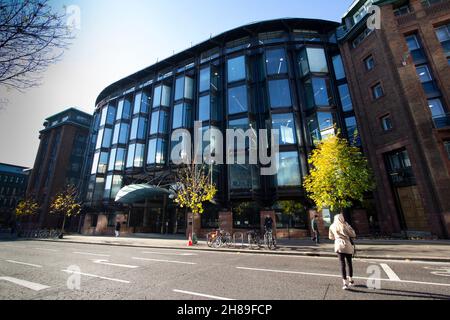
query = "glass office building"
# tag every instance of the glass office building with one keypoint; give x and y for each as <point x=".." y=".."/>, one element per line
<point x="284" y="74"/>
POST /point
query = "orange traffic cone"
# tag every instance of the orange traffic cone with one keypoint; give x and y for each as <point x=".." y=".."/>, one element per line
<point x="190" y="244"/>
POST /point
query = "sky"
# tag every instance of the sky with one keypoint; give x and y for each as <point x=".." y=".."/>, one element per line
<point x="120" y="37"/>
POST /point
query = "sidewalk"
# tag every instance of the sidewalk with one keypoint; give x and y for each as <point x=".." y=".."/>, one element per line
<point x="431" y="251"/>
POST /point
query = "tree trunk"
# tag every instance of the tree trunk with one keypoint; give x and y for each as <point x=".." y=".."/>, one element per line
<point x="63" y="225"/>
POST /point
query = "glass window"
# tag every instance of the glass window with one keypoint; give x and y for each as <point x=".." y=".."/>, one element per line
<point x="156" y="151"/>
<point x="346" y="99"/>
<point x="386" y="123"/>
<point x="95" y="163"/>
<point x="120" y="159"/>
<point x="103" y="162"/>
<point x="112" y="159"/>
<point x="179" y="88"/>
<point x="99" y="139"/>
<point x="107" y="136"/>
<point x="236" y="69"/>
<point x="134" y="128"/>
<point x="119" y="109"/>
<point x="165" y="97"/>
<point x="103" y="117"/>
<point x="412" y="42"/>
<point x="424" y="73"/>
<point x="369" y="63"/>
<point x="338" y="67"/>
<point x="377" y="91"/>
<point x="138" y="128"/>
<point x="116" y="186"/>
<point x="205" y="79"/>
<point x="204" y="108"/>
<point x="237" y="100"/>
<point x="280" y="93"/>
<point x="312" y="60"/>
<point x="243" y="176"/>
<point x="184" y="88"/>
<point x="352" y="128"/>
<point x="123" y="136"/>
<point x="139" y="156"/>
<point x="159" y="123"/>
<point x="115" y="138"/>
<point x="289" y="170"/>
<point x="318" y="92"/>
<point x="107" y="192"/>
<point x="111" y="116"/>
<point x="436" y="108"/>
<point x="157" y="96"/>
<point x="286" y="126"/>
<point x="276" y="62"/>
<point x="443" y="33"/>
<point x="181" y="116"/>
<point x="137" y="103"/>
<point x="321" y="126"/>
<point x="130" y="155"/>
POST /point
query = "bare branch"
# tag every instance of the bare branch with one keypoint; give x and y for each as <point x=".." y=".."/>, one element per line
<point x="32" y="37"/>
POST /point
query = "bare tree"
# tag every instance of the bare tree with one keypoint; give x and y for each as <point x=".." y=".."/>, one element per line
<point x="32" y="37"/>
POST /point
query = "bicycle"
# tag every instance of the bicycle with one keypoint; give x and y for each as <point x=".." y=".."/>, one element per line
<point x="254" y="238"/>
<point x="220" y="239"/>
<point x="269" y="239"/>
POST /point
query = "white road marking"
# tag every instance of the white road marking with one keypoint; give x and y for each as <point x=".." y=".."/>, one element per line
<point x="27" y="284"/>
<point x="95" y="276"/>
<point x="44" y="249"/>
<point x="107" y="263"/>
<point x="170" y="253"/>
<point x="442" y="271"/>
<point x="390" y="273"/>
<point x="338" y="276"/>
<point x="24" y="263"/>
<point x="202" y="295"/>
<point x="158" y="260"/>
<point x="91" y="254"/>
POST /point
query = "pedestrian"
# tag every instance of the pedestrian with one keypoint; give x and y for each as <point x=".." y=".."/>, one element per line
<point x="315" y="229"/>
<point x="117" y="231"/>
<point x="343" y="234"/>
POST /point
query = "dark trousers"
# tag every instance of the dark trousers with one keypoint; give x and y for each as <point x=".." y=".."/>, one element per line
<point x="316" y="236"/>
<point x="346" y="257"/>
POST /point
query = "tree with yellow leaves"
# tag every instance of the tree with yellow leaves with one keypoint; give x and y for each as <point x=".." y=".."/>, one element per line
<point x="66" y="203"/>
<point x="27" y="207"/>
<point x="194" y="188"/>
<point x="339" y="175"/>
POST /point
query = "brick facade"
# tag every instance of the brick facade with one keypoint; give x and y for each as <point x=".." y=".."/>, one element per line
<point x="405" y="102"/>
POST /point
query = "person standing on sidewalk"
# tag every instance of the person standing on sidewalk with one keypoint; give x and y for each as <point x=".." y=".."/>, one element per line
<point x="343" y="234"/>
<point x="117" y="231"/>
<point x="315" y="229"/>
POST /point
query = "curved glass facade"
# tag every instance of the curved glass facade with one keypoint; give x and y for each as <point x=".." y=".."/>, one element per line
<point x="285" y="75"/>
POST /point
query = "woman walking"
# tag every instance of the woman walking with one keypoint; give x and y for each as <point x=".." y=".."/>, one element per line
<point x="343" y="234"/>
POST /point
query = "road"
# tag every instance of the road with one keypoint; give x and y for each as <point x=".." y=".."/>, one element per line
<point x="55" y="271"/>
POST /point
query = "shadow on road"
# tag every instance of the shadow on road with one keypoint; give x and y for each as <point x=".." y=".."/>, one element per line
<point x="399" y="293"/>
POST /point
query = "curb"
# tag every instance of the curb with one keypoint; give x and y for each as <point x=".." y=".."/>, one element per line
<point x="257" y="252"/>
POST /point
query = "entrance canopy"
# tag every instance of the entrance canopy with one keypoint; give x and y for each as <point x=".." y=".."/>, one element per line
<point x="140" y="192"/>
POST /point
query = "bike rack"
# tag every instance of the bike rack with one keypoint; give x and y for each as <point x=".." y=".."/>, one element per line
<point x="238" y="235"/>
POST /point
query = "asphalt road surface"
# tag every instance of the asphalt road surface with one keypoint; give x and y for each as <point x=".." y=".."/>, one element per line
<point x="48" y="270"/>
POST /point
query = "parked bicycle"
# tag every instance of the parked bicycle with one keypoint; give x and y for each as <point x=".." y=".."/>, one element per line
<point x="219" y="238"/>
<point x="269" y="239"/>
<point x="254" y="239"/>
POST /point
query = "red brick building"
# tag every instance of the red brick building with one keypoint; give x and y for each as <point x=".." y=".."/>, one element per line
<point x="399" y="79"/>
<point x="59" y="161"/>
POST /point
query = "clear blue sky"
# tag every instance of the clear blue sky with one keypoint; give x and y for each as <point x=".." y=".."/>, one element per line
<point x="119" y="37"/>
